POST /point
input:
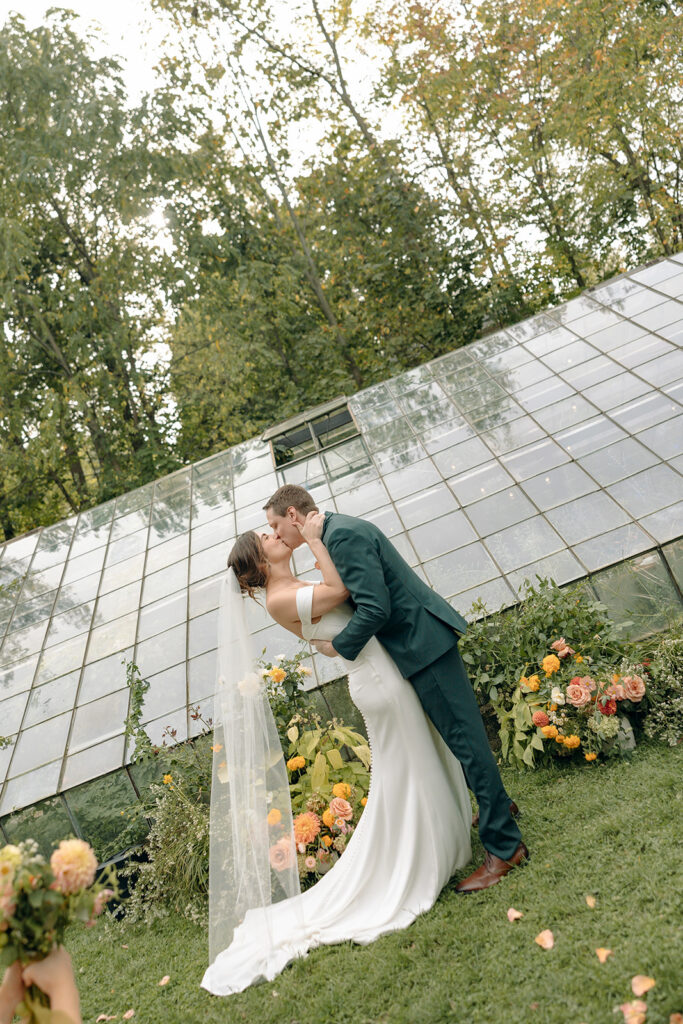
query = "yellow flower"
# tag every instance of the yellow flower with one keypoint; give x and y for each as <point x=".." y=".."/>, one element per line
<point x="167" y="780"/>
<point x="327" y="840"/>
<point x="560" y="738"/>
<point x="549" y="731"/>
<point x="296" y="762"/>
<point x="342" y="789"/>
<point x="6" y="873"/>
<point x="11" y="854"/>
<point x="590" y="756"/>
<point x="217" y="747"/>
<point x="533" y="683"/>
<point x="328" y="818"/>
<point x="364" y="801"/>
<point x="578" y="659"/>
<point x="616" y="677"/>
<point x="274" y="816"/>
<point x="553" y="707"/>
<point x="523" y="681"/>
<point x="277" y="674"/>
<point x="571" y="742"/>
<point x="550" y="664"/>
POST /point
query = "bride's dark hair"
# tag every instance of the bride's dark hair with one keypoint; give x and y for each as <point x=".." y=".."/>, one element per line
<point x="248" y="561"/>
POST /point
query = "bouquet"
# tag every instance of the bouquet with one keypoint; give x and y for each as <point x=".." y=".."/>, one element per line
<point x="572" y="706"/>
<point x="39" y="899"/>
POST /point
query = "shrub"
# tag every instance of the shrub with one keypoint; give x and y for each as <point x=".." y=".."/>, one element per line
<point x="664" y="720"/>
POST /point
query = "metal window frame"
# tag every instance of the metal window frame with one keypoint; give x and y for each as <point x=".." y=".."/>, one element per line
<point x="306" y="419"/>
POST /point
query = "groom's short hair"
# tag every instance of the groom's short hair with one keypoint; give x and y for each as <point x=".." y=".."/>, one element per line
<point x="288" y="495"/>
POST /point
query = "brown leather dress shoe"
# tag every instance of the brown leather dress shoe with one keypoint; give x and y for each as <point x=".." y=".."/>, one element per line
<point x="514" y="811"/>
<point x="492" y="870"/>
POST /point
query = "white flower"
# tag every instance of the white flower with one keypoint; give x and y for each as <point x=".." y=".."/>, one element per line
<point x="304" y="670"/>
<point x="250" y="685"/>
<point x="556" y="695"/>
<point x="279" y="657"/>
<point x="264" y="672"/>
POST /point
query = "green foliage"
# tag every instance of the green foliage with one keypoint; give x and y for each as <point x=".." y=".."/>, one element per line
<point x="664" y="721"/>
<point x="285" y="694"/>
<point x="134" y="730"/>
<point x="323" y="748"/>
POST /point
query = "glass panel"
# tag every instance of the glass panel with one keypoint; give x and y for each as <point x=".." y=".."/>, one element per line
<point x="414" y="478"/>
<point x="569" y="356"/>
<point x="426" y="505"/>
<point x="589" y="436"/>
<point x="495" y="594"/>
<point x="558" y="486"/>
<point x="98" y="807"/>
<point x="20" y="548"/>
<point x="461" y="457"/>
<point x="167" y="553"/>
<point x="27" y="789"/>
<point x="666" y="439"/>
<point x="585" y="517"/>
<point x="446" y="434"/>
<point x="205" y="563"/>
<point x="119" y="602"/>
<point x="641" y="350"/>
<point x="123" y="573"/>
<point x="489" y="393"/>
<point x="622" y="388"/>
<point x="94" y="761"/>
<point x="645" y="412"/>
<point x="483" y="480"/>
<point x="513" y="435"/>
<point x="403" y="454"/>
<point x="565" y="413"/>
<point x="132" y="523"/>
<point x="533" y="459"/>
<point x="205" y="595"/>
<point x="434" y="415"/>
<point x="124" y="549"/>
<point x="650" y="490"/>
<point x="456" y="383"/>
<point x="370" y="398"/>
<point x="441" y="535"/>
<point x="465" y="568"/>
<point x="634" y="304"/>
<point x="502" y="413"/>
<point x="500" y="510"/>
<point x="618" y="461"/>
<point x="203" y="634"/>
<point x="27" y="613"/>
<point x="549" y="341"/>
<point x="562" y="567"/>
<point x="174" y="484"/>
<point x="346" y="460"/>
<point x="613" y="546"/>
<point x="524" y="376"/>
<point x="158" y="729"/>
<point x="53" y="546"/>
<point x="88" y="539"/>
<point x="251" y="518"/>
<point x="134" y="499"/>
<point x="674" y="556"/>
<point x="392" y="433"/>
<point x="167" y="691"/>
<point x="640" y="591"/>
<point x="25" y="641"/>
<point x="46" y="822"/>
<point x="11" y="714"/>
<point x="503" y="363"/>
<point x="105" y="676"/>
<point x="220" y="531"/>
<point x="161" y="615"/>
<point x="571" y="311"/>
<point x="674" y="332"/>
<point x="201" y="674"/>
<point x="112" y="636"/>
<point x="423" y="396"/>
<point x="659" y="316"/>
<point x="665" y="524"/>
<point x="40" y="744"/>
<point x="664" y="370"/>
<point x="545" y="393"/>
<point x="161" y="651"/>
<point x="18" y="677"/>
<point x="75" y="594"/>
<point x="256" y="491"/>
<point x="613" y="337"/>
<point x="375" y="416"/>
<point x="363" y="499"/>
<point x="597" y="321"/>
<point x="165" y="582"/>
<point x="161" y="530"/>
<point x="410" y="380"/>
<point x="660" y="271"/>
<point x="386" y="520"/>
<point x="672" y="286"/>
<point x="69" y="624"/>
<point x="523" y="543"/>
<point x="309" y="474"/>
<point x="405" y="549"/>
<point x="99" y="720"/>
<point x="51" y="699"/>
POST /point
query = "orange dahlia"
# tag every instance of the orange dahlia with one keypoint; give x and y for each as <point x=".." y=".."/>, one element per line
<point x="306" y="827"/>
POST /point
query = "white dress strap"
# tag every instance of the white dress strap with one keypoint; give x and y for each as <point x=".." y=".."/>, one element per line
<point x="304" y="604"/>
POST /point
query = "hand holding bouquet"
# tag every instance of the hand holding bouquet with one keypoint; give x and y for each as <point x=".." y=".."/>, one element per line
<point x="39" y="899"/>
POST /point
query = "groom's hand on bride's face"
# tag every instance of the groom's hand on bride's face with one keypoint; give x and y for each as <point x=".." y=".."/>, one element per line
<point x="325" y="647"/>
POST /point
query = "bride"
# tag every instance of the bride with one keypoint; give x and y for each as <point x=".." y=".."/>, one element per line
<point x="415" y="830"/>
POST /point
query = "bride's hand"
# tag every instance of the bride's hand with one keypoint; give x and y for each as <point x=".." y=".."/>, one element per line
<point x="312" y="529"/>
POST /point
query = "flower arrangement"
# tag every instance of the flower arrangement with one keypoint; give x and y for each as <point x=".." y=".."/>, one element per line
<point x="572" y="707"/>
<point x="283" y="678"/>
<point x="328" y="793"/>
<point x="39" y="899"/>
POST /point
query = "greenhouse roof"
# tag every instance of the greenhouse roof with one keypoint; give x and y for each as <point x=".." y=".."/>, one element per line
<point x="553" y="447"/>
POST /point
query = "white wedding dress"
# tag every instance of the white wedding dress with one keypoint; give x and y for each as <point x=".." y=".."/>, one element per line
<point x="412" y="836"/>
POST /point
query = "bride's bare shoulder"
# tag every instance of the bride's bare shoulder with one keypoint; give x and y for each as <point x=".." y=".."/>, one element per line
<point x="281" y="604"/>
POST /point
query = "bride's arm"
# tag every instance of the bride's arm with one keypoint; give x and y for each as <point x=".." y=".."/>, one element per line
<point x="331" y="592"/>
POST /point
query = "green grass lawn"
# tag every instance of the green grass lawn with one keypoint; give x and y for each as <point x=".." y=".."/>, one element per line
<point x="613" y="831"/>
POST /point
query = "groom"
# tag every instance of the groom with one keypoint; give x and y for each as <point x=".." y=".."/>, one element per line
<point x="420" y="631"/>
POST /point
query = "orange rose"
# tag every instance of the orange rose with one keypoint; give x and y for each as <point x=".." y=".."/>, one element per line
<point x="341" y="808"/>
<point x="277" y="674"/>
<point x="634" y="688"/>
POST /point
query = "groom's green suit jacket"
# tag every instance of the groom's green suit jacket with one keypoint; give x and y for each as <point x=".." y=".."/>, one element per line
<point x="390" y="601"/>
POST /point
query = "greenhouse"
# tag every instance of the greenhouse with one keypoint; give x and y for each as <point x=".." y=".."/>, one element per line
<point x="551" y="448"/>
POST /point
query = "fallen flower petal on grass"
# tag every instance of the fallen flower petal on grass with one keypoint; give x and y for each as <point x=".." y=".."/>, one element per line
<point x="104" y="1016"/>
<point x="634" y="1012"/>
<point x="602" y="953"/>
<point x="545" y="939"/>
<point x="128" y="1014"/>
<point x="165" y="980"/>
<point x="590" y="900"/>
<point x="514" y="915"/>
<point x="676" y="1018"/>
<point x="641" y="984"/>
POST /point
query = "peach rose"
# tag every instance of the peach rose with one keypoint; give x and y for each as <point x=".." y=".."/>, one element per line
<point x="578" y="695"/>
<point x="281" y="854"/>
<point x="341" y="808"/>
<point x="634" y="688"/>
<point x="562" y="647"/>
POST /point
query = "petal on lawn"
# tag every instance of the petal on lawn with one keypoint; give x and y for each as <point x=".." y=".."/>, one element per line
<point x="590" y="900"/>
<point x="634" y="1012"/>
<point x="545" y="939"/>
<point x="104" y="1016"/>
<point x="514" y="915"/>
<point x="676" y="1018"/>
<point x="128" y="1014"/>
<point x="165" y="980"/>
<point x="642" y="984"/>
<point x="602" y="953"/>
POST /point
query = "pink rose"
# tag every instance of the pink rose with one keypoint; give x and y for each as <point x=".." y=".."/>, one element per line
<point x="634" y="688"/>
<point x="281" y="854"/>
<point x="341" y="808"/>
<point x="310" y="863"/>
<point x="615" y="690"/>
<point x="578" y="695"/>
<point x="562" y="647"/>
